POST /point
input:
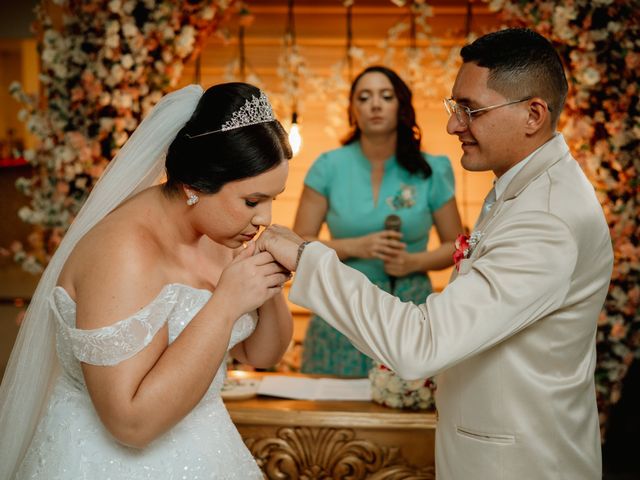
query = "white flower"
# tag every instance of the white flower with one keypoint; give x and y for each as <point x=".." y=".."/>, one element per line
<point x="207" y="13"/>
<point x="127" y="61"/>
<point x="119" y="138"/>
<point x="111" y="28"/>
<point x="599" y="35"/>
<point x="48" y="55"/>
<point x="29" y="155"/>
<point x="81" y="183"/>
<point x="116" y="75"/>
<point x="129" y="6"/>
<point x="14" y="87"/>
<point x="64" y="153"/>
<point x="425" y="394"/>
<point x="185" y="41"/>
<point x="51" y="36"/>
<point x="112" y="41"/>
<point x="167" y="56"/>
<point x="177" y="70"/>
<point x="590" y="76"/>
<point x="395" y="401"/>
<point x="395" y="384"/>
<point x="30" y="264"/>
<point x="130" y="124"/>
<point x="23" y="184"/>
<point x="380" y="381"/>
<point x="24" y="214"/>
<point x="78" y="56"/>
<point x="115" y="6"/>
<point x="104" y="99"/>
<point x="414" y="384"/>
<point x="377" y="394"/>
<point x="122" y="100"/>
<point x="408" y="401"/>
<point x="168" y="33"/>
<point x="60" y="70"/>
<point x="614" y="27"/>
<point x="129" y="29"/>
<point x="106" y="124"/>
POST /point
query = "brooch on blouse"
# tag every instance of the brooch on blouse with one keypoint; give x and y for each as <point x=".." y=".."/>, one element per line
<point x="405" y="198"/>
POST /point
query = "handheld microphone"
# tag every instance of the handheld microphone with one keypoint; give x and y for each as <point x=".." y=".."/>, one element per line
<point x="392" y="222"/>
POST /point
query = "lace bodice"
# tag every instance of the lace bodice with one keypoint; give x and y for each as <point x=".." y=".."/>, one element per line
<point x="71" y="442"/>
<point x="176" y="305"/>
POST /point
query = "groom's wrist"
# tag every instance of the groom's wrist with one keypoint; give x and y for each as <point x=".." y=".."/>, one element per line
<point x="301" y="248"/>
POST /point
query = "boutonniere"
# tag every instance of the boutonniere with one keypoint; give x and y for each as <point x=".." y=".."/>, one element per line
<point x="464" y="247"/>
<point x="405" y="198"/>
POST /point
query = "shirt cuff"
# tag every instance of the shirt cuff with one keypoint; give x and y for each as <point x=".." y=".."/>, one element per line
<point x="309" y="260"/>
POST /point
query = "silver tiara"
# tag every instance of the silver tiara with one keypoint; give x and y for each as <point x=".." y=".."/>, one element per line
<point x="254" y="111"/>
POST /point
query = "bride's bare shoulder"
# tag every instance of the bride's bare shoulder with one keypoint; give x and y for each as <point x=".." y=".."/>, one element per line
<point x="120" y="246"/>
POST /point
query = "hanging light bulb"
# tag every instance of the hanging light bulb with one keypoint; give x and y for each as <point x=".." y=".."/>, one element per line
<point x="295" y="139"/>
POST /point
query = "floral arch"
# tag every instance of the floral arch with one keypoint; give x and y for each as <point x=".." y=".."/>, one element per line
<point x="105" y="63"/>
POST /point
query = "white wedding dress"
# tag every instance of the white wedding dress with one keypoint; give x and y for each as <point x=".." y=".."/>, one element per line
<point x="72" y="443"/>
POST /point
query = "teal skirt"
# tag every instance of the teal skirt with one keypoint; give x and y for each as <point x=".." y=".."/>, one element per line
<point x="326" y="351"/>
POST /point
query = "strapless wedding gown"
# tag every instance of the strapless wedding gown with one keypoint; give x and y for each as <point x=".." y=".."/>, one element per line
<point x="71" y="442"/>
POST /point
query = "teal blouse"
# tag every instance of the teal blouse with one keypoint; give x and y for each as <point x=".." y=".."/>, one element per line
<point x="343" y="176"/>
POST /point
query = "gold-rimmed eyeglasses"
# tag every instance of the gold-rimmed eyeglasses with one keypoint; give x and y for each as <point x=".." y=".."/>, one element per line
<point x="464" y="114"/>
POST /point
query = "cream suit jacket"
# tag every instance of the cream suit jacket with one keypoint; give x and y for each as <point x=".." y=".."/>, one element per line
<point x="513" y="334"/>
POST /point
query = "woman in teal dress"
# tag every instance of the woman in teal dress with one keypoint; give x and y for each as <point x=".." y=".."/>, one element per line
<point x="379" y="171"/>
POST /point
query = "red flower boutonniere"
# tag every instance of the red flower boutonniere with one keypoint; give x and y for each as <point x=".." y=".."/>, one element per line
<point x="464" y="246"/>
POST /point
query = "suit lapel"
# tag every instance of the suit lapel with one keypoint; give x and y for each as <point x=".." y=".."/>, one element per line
<point x="549" y="154"/>
<point x="552" y="152"/>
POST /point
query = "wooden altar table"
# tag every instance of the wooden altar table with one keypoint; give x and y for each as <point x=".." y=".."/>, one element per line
<point x="302" y="439"/>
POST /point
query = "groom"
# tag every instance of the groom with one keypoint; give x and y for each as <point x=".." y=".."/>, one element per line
<point x="513" y="334"/>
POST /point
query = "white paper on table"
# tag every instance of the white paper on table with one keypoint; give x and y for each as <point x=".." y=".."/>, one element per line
<point x="298" y="388"/>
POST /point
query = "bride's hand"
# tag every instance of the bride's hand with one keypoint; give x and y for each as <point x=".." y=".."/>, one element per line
<point x="250" y="280"/>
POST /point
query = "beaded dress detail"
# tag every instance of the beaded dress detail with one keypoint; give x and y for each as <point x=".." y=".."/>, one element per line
<point x="71" y="442"/>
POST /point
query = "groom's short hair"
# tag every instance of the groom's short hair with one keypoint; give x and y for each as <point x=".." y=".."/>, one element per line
<point x="521" y="63"/>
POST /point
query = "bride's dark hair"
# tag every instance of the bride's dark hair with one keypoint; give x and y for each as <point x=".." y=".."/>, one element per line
<point x="206" y="163"/>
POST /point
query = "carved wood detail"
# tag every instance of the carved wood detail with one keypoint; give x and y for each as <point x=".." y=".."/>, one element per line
<point x="303" y="453"/>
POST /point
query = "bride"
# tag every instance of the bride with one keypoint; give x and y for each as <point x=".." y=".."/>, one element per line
<point x="118" y="366"/>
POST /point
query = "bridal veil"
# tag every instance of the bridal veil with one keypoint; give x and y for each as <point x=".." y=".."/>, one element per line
<point x="33" y="366"/>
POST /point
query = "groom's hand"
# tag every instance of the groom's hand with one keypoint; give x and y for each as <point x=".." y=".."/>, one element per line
<point x="282" y="244"/>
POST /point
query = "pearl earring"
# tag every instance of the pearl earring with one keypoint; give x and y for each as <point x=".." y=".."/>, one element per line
<point x="193" y="199"/>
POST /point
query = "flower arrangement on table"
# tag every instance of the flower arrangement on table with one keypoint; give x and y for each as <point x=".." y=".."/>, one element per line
<point x="388" y="389"/>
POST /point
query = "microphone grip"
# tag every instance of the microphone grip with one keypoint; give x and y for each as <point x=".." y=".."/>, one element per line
<point x="392" y="284"/>
<point x="392" y="222"/>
